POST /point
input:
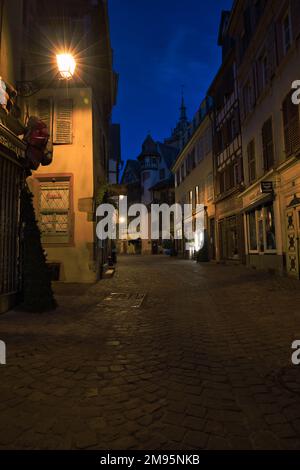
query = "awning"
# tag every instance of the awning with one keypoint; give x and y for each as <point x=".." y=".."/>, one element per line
<point x="266" y="199"/>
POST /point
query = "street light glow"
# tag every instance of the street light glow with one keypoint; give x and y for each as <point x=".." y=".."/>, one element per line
<point x="66" y="65"/>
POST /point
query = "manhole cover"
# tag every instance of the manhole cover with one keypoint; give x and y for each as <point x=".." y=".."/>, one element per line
<point x="289" y="378"/>
<point x="131" y="300"/>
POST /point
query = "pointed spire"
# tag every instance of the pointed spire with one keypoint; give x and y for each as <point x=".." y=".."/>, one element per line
<point x="183" y="115"/>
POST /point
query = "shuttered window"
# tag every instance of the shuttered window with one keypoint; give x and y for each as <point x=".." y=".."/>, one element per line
<point x="268" y="145"/>
<point x="290" y="114"/>
<point x="251" y="161"/>
<point x="63" y="125"/>
<point x="44" y="112"/>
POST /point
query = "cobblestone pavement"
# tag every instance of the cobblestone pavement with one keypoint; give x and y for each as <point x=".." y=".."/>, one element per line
<point x="205" y="363"/>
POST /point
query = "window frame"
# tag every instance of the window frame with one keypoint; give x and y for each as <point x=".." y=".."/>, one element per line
<point x="260" y="216"/>
<point x="63" y="177"/>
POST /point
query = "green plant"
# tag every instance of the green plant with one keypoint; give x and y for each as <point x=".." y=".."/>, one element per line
<point x="37" y="294"/>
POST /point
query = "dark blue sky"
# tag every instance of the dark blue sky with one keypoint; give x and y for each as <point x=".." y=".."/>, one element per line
<point x="160" y="45"/>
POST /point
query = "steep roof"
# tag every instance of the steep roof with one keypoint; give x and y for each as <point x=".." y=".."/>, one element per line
<point x="131" y="173"/>
<point x="168" y="153"/>
<point x="163" y="184"/>
<point x="149" y="147"/>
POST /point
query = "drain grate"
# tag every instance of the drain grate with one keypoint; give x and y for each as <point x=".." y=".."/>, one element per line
<point x="289" y="378"/>
<point x="119" y="299"/>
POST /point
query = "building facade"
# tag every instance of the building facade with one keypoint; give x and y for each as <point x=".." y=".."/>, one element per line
<point x="78" y="114"/>
<point x="267" y="39"/>
<point x="12" y="153"/>
<point x="193" y="172"/>
<point x="227" y="152"/>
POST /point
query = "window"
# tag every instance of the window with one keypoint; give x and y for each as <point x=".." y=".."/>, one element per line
<point x="222" y="182"/>
<point x="182" y="172"/>
<point x="193" y="159"/>
<point x="55" y="209"/>
<point x="247" y="97"/>
<point x="268" y="145"/>
<point x="290" y="115"/>
<point x="190" y="197"/>
<point x="207" y="141"/>
<point x="252" y="231"/>
<point x="210" y="187"/>
<point x="263" y="64"/>
<point x="201" y="192"/>
<point x="197" y="200"/>
<point x="270" y="228"/>
<point x="261" y="230"/>
<point x="178" y="178"/>
<point x="238" y="171"/>
<point x="146" y="175"/>
<point x="200" y="148"/>
<point x="162" y="174"/>
<point x="59" y="122"/>
<point x="251" y="161"/>
<point x="287" y="33"/>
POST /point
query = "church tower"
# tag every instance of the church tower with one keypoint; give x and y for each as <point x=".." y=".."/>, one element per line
<point x="149" y="161"/>
<point x="176" y="139"/>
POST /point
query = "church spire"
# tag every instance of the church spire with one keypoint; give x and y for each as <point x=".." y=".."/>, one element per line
<point x="183" y="114"/>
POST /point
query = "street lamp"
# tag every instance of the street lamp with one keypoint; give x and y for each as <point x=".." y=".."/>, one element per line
<point x="66" y="66"/>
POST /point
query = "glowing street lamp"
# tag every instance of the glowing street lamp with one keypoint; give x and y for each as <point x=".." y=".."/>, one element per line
<point x="66" y="65"/>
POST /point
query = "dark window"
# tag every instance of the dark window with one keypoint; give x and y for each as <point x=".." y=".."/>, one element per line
<point x="268" y="144"/>
<point x="251" y="161"/>
<point x="290" y="114"/>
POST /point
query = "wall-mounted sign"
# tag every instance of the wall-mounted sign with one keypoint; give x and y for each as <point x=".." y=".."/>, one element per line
<point x="266" y="187"/>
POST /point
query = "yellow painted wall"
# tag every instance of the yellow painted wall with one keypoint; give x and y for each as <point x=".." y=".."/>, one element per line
<point x="11" y="41"/>
<point x="77" y="159"/>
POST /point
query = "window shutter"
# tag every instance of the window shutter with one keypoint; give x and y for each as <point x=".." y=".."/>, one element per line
<point x="271" y="52"/>
<point x="290" y="114"/>
<point x="64" y="122"/>
<point x="43" y="111"/>
<point x="268" y="145"/>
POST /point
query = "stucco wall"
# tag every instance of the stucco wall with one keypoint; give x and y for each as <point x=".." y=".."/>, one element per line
<point x="76" y="159"/>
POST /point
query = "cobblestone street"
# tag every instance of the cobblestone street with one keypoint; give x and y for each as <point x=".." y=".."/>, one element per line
<point x="204" y="363"/>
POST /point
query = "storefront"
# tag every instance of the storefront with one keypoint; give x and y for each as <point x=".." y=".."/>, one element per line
<point x="230" y="230"/>
<point x="290" y="206"/>
<point x="262" y="228"/>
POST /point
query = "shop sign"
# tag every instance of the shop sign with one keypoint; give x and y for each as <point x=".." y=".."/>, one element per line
<point x="266" y="187"/>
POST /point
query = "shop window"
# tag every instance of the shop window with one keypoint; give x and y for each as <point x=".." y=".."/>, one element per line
<point x="270" y="228"/>
<point x="268" y="144"/>
<point x="261" y="230"/>
<point x="252" y="231"/>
